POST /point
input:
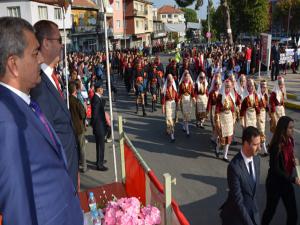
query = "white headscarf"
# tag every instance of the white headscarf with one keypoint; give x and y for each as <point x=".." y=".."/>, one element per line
<point x="239" y="89"/>
<point x="259" y="93"/>
<point x="215" y="79"/>
<point x="166" y="84"/>
<point x="224" y="94"/>
<point x="246" y="92"/>
<point x="277" y="90"/>
<point x="183" y="75"/>
<point x="198" y="81"/>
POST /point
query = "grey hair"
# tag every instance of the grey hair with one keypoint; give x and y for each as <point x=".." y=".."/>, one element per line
<point x="12" y="39"/>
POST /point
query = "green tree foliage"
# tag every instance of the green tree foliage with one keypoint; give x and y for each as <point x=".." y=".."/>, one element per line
<point x="281" y="13"/>
<point x="218" y="23"/>
<point x="250" y="17"/>
<point x="190" y="15"/>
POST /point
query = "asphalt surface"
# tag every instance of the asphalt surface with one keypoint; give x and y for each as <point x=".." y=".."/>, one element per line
<point x="201" y="178"/>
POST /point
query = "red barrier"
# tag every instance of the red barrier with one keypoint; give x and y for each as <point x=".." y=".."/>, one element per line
<point x="135" y="184"/>
<point x="178" y="214"/>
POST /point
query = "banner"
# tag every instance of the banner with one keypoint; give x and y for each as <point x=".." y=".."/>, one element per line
<point x="287" y="57"/>
<point x="265" y="48"/>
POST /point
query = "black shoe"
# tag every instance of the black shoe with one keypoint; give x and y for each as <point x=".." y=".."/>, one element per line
<point x="188" y="135"/>
<point x="217" y="154"/>
<point x="102" y="168"/>
<point x="226" y="160"/>
<point x="172" y="140"/>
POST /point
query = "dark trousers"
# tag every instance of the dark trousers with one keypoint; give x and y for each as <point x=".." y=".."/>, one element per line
<point x="275" y="192"/>
<point x="100" y="147"/>
<point x="274" y="71"/>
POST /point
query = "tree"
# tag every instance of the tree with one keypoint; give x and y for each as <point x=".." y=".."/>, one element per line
<point x="250" y="17"/>
<point x="282" y="10"/>
<point x="226" y="14"/>
<point x="190" y="15"/>
<point x="217" y="22"/>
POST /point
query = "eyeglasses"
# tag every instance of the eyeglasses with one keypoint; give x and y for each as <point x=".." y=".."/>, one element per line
<point x="55" y="39"/>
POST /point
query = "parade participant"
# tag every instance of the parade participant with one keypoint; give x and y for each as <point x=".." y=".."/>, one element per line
<point x="139" y="93"/>
<point x="276" y="102"/>
<point x="250" y="106"/>
<point x="128" y="75"/>
<point x="263" y="98"/>
<point x="186" y="95"/>
<point x="201" y="95"/>
<point x="159" y="65"/>
<point x="185" y="66"/>
<point x="173" y="69"/>
<point x="169" y="103"/>
<point x="224" y="118"/>
<point x="154" y="90"/>
<point x="241" y="85"/>
<point x="211" y="104"/>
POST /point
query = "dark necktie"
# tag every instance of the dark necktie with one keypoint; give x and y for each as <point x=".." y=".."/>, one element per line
<point x="38" y="112"/>
<point x="251" y="171"/>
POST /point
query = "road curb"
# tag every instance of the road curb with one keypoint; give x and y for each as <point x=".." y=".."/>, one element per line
<point x="291" y="96"/>
<point x="292" y="105"/>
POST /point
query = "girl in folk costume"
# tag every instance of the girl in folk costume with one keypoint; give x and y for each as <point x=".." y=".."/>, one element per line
<point x="201" y="95"/>
<point x="241" y="85"/>
<point x="169" y="101"/>
<point x="139" y="93"/>
<point x="212" y="102"/>
<point x="250" y="106"/>
<point x="224" y="118"/>
<point x="237" y="97"/>
<point x="186" y="95"/>
<point x="263" y="98"/>
<point x="276" y="102"/>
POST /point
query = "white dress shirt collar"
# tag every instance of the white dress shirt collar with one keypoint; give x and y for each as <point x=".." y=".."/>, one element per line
<point x="48" y="71"/>
<point x="100" y="96"/>
<point x="21" y="94"/>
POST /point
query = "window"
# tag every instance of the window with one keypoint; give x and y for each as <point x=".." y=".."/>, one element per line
<point x="57" y="14"/>
<point x="169" y="16"/>
<point x="43" y="13"/>
<point x="163" y="16"/>
<point x="137" y="24"/>
<point x="136" y="6"/>
<point x="117" y="5"/>
<point x="14" y="11"/>
<point x="175" y="16"/>
<point x="118" y="24"/>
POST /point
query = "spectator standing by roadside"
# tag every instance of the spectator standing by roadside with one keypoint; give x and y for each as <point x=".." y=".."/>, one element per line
<point x="280" y="179"/>
<point x="78" y="115"/>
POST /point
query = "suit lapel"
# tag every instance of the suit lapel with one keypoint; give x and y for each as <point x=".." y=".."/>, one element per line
<point x="55" y="93"/>
<point x="257" y="170"/>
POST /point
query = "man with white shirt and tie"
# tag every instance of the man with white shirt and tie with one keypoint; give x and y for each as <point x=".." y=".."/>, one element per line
<point x="243" y="179"/>
<point x="49" y="96"/>
<point x="35" y="187"/>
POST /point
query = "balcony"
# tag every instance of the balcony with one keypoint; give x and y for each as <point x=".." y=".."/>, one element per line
<point x="139" y="13"/>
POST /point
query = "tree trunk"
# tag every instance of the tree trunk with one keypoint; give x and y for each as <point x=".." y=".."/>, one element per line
<point x="227" y="19"/>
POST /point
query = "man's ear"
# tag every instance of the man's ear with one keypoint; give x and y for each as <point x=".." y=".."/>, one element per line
<point x="12" y="65"/>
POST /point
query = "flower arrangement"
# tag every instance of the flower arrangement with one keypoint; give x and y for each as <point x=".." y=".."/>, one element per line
<point x="128" y="211"/>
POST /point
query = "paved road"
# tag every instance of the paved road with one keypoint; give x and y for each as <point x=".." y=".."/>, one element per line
<point x="201" y="178"/>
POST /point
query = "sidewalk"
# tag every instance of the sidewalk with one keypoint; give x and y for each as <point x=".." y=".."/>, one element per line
<point x="292" y="84"/>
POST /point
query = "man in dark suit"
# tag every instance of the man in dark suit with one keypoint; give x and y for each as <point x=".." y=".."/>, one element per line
<point x="275" y="57"/>
<point x="49" y="96"/>
<point x="243" y="180"/>
<point x="78" y="115"/>
<point x="34" y="181"/>
<point x="99" y="125"/>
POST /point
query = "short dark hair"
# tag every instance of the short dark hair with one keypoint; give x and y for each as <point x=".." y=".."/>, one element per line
<point x="12" y="39"/>
<point x="72" y="87"/>
<point x="249" y="133"/>
<point x="43" y="29"/>
<point x="77" y="83"/>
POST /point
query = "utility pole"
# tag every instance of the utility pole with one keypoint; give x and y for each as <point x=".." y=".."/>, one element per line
<point x="208" y="20"/>
<point x="289" y="17"/>
<point x="124" y="22"/>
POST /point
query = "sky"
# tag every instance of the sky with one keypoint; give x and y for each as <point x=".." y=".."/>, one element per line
<point x="159" y="3"/>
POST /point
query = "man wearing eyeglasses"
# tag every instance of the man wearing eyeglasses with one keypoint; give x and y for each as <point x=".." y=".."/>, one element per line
<point x="49" y="93"/>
